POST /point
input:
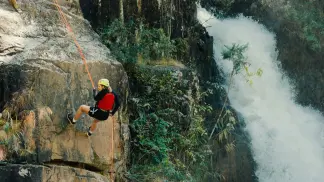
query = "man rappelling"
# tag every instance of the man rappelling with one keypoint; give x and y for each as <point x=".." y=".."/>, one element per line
<point x="107" y="103"/>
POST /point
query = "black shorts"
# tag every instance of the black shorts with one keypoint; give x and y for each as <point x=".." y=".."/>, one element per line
<point x="98" y="113"/>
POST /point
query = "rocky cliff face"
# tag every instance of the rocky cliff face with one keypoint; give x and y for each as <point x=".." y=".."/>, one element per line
<point x="42" y="78"/>
<point x="174" y="16"/>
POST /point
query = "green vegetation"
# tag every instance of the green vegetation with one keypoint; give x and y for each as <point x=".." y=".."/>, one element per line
<point x="131" y="42"/>
<point x="307" y="22"/>
<point x="14" y="140"/>
<point x="169" y="140"/>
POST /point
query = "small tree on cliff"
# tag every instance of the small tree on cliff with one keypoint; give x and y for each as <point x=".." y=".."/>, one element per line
<point x="226" y="120"/>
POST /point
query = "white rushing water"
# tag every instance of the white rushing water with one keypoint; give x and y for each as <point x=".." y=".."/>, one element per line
<point x="286" y="138"/>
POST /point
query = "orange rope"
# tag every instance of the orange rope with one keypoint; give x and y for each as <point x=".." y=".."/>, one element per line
<point x="112" y="150"/>
<point x="68" y="27"/>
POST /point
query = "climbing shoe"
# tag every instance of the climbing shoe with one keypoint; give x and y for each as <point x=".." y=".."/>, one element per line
<point x="89" y="133"/>
<point x="70" y="118"/>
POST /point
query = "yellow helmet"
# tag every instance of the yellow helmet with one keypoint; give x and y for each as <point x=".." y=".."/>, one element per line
<point x="104" y="82"/>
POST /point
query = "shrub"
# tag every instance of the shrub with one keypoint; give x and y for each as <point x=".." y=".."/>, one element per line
<point x="130" y="42"/>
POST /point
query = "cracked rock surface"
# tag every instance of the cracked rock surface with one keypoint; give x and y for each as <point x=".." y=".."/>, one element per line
<point x="39" y="31"/>
<point x="48" y="173"/>
<point x="42" y="77"/>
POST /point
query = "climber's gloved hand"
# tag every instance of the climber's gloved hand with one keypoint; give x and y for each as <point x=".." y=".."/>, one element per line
<point x="94" y="92"/>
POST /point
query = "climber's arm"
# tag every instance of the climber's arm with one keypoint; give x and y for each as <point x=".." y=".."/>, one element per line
<point x="94" y="93"/>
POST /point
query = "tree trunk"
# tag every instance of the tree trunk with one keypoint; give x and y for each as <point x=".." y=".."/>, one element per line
<point x="121" y="10"/>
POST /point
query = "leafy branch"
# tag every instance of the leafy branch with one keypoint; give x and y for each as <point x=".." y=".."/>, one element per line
<point x="235" y="53"/>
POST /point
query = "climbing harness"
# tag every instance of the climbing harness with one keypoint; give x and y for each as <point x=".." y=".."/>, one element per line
<point x="68" y="27"/>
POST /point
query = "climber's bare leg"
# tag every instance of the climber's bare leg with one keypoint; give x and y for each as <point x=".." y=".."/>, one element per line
<point x="83" y="109"/>
<point x="93" y="125"/>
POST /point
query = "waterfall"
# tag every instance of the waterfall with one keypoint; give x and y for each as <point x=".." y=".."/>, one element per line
<point x="286" y="138"/>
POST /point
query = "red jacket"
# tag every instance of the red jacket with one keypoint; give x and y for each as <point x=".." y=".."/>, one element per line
<point x="107" y="102"/>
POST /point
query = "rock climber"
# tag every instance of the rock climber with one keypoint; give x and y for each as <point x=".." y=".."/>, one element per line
<point x="107" y="103"/>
